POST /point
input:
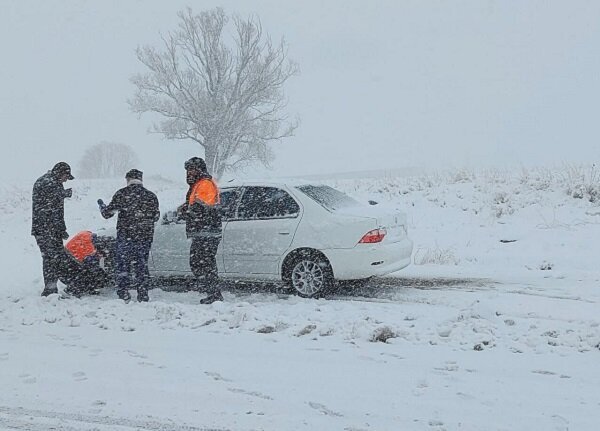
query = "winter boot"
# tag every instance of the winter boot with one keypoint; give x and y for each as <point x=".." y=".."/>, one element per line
<point x="124" y="295"/>
<point x="50" y="289"/>
<point x="142" y="295"/>
<point x="213" y="297"/>
<point x="72" y="292"/>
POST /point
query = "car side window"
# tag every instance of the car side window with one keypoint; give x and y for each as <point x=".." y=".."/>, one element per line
<point x="229" y="200"/>
<point x="267" y="202"/>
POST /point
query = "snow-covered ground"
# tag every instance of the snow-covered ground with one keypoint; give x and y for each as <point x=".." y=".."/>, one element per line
<point x="496" y="326"/>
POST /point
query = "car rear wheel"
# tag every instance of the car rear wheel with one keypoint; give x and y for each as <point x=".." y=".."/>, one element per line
<point x="310" y="275"/>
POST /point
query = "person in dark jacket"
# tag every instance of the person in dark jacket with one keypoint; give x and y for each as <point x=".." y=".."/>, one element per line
<point x="48" y="223"/>
<point x="138" y="212"/>
<point x="203" y="226"/>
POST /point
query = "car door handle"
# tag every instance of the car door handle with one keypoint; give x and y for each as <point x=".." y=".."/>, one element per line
<point x="284" y="232"/>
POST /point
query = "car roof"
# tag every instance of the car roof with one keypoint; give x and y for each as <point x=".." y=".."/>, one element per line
<point x="290" y="182"/>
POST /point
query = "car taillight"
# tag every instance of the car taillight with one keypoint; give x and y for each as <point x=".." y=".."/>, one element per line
<point x="372" y="237"/>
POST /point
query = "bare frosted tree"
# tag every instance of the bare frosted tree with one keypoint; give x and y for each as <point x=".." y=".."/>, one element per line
<point x="107" y="160"/>
<point x="224" y="92"/>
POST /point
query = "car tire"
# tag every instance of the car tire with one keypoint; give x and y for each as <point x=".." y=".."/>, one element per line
<point x="309" y="274"/>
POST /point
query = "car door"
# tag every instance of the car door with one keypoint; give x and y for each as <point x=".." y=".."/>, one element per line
<point x="261" y="232"/>
<point x="230" y="198"/>
<point x="171" y="248"/>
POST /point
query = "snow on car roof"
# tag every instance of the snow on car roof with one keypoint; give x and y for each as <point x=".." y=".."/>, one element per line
<point x="290" y="182"/>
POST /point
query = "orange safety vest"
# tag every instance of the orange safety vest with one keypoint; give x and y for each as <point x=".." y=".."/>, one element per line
<point x="206" y="191"/>
<point x="81" y="245"/>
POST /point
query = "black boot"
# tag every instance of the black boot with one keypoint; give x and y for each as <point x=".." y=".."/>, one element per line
<point x="50" y="289"/>
<point x="47" y="292"/>
<point x="72" y="292"/>
<point x="213" y="297"/>
<point x="142" y="295"/>
<point x="124" y="295"/>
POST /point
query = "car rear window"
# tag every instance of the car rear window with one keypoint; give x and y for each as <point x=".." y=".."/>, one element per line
<point x="328" y="197"/>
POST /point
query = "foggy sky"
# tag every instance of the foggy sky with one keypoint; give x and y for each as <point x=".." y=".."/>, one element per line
<point x="383" y="84"/>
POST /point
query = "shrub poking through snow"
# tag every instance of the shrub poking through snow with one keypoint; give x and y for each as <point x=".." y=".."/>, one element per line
<point x="435" y="256"/>
<point x="501" y="198"/>
<point x="306" y="330"/>
<point x="501" y="205"/>
<point x="461" y="176"/>
<point x="383" y="334"/>
<point x="583" y="183"/>
<point x="546" y="266"/>
<point x="327" y="332"/>
<point x="208" y="322"/>
<point x="267" y="329"/>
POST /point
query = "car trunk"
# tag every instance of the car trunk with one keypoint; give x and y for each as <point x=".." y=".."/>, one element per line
<point x="390" y="219"/>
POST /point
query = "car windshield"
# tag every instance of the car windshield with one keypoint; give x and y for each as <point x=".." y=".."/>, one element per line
<point x="328" y="197"/>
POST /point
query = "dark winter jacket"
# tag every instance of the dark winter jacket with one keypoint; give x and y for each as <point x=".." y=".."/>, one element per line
<point x="201" y="219"/>
<point x="138" y="211"/>
<point x="48" y="207"/>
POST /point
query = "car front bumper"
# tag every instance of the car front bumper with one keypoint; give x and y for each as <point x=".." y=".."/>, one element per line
<point x="369" y="260"/>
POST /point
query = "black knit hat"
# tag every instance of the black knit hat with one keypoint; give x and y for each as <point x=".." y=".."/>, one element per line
<point x="134" y="174"/>
<point x="62" y="168"/>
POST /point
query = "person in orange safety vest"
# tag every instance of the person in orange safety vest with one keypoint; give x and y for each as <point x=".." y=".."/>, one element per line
<point x="203" y="226"/>
<point x="86" y="274"/>
<point x="82" y="245"/>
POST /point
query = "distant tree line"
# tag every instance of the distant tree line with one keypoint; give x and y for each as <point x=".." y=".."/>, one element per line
<point x="107" y="160"/>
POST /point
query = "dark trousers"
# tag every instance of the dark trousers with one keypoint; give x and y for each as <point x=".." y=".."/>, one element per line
<point x="132" y="263"/>
<point x="54" y="259"/>
<point x="203" y="262"/>
<point x="88" y="275"/>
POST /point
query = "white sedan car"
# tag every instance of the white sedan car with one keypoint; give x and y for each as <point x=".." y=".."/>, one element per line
<point x="307" y="235"/>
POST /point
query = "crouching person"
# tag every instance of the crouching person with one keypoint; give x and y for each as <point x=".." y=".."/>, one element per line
<point x="203" y="226"/>
<point x="138" y="212"/>
<point x="86" y="275"/>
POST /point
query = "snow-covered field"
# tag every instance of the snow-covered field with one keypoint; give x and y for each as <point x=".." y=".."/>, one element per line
<point x="495" y="326"/>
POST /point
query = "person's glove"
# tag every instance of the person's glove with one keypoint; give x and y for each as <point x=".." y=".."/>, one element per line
<point x="101" y="204"/>
<point x="68" y="193"/>
<point x="65" y="235"/>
